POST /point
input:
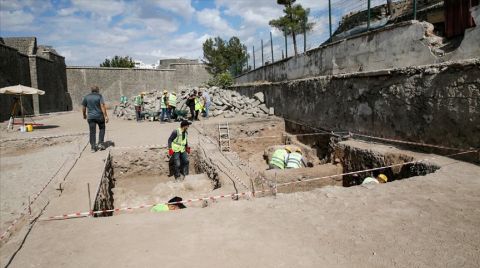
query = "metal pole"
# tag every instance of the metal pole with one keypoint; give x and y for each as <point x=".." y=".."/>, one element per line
<point x="283" y="57"/>
<point x="286" y="48"/>
<point x="263" y="62"/>
<point x="414" y="9"/>
<point x="368" y="15"/>
<point x="304" y="36"/>
<point x="271" y="46"/>
<point x="89" y="200"/>
<point x="253" y="50"/>
<point x="330" y="16"/>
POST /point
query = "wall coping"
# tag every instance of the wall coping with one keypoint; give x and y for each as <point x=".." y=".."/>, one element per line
<point x="384" y="72"/>
<point x="12" y="48"/>
<point x="117" y="69"/>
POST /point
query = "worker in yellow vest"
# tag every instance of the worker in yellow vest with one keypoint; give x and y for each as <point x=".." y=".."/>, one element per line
<point x="295" y="159"/>
<point x="172" y="105"/>
<point x="178" y="150"/>
<point x="279" y="158"/>
<point x="173" y="204"/>
<point x="198" y="105"/>
<point x="164" y="106"/>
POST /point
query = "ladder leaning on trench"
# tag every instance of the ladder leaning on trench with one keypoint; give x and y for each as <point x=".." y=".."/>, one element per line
<point x="224" y="137"/>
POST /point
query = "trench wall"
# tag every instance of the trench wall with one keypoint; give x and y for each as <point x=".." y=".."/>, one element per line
<point x="104" y="197"/>
<point x="401" y="45"/>
<point x="438" y="104"/>
<point x="115" y="82"/>
<point x="14" y="70"/>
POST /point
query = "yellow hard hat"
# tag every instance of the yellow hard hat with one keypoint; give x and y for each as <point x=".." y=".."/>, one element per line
<point x="298" y="150"/>
<point x="382" y="177"/>
<point x="174" y="93"/>
<point x="143" y="93"/>
<point x="288" y="148"/>
<point x="165" y="91"/>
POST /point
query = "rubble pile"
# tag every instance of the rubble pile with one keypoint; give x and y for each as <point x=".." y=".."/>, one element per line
<point x="224" y="102"/>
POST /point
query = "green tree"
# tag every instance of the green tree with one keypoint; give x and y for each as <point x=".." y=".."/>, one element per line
<point x="294" y="21"/>
<point x="221" y="55"/>
<point x="119" y="62"/>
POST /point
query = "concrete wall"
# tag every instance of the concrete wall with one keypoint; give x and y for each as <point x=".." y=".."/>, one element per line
<point x="438" y="104"/>
<point x="115" y="82"/>
<point x="396" y="46"/>
<point x="14" y="70"/>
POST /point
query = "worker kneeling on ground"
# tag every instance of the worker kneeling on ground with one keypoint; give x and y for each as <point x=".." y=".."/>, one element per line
<point x="279" y="158"/>
<point x="295" y="159"/>
<point x="173" y="204"/>
<point x="381" y="178"/>
<point x="178" y="149"/>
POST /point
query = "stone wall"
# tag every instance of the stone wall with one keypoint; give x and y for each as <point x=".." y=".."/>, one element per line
<point x="14" y="70"/>
<point x="396" y="46"/>
<point x="115" y="82"/>
<point x="437" y="104"/>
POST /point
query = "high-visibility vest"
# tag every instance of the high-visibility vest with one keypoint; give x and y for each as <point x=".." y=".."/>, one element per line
<point x="138" y="100"/>
<point x="178" y="144"/>
<point x="163" y="104"/>
<point x="123" y="99"/>
<point x="294" y="160"/>
<point x="198" y="104"/>
<point x="278" y="158"/>
<point x="172" y="100"/>
<point x="160" y="208"/>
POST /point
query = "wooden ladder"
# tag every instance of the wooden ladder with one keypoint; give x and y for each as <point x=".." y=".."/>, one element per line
<point x="224" y="137"/>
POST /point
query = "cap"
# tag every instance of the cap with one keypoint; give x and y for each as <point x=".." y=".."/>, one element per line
<point x="177" y="199"/>
<point x="382" y="177"/>
<point x="165" y="91"/>
<point x="185" y="123"/>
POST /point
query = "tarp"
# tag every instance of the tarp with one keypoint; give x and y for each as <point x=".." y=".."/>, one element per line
<point x="21" y="90"/>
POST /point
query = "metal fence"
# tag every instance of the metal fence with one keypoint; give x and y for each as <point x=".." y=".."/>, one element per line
<point x="355" y="16"/>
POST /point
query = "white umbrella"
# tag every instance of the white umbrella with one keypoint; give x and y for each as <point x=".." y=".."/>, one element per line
<point x="21" y="90"/>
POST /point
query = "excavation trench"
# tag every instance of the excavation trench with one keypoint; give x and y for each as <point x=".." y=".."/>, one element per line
<point x="142" y="176"/>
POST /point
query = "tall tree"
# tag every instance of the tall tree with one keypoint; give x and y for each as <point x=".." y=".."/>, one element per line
<point x="294" y="21"/>
<point x="222" y="55"/>
<point x="119" y="62"/>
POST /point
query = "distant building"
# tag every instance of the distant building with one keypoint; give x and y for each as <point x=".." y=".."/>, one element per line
<point x="166" y="63"/>
<point x="140" y="65"/>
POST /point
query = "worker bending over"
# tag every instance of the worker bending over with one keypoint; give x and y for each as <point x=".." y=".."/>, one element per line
<point x="279" y="158"/>
<point x="169" y="206"/>
<point x="178" y="149"/>
<point x="172" y="105"/>
<point x="381" y="178"/>
<point x="295" y="159"/>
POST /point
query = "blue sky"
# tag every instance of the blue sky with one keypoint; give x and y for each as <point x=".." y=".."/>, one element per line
<point x="88" y="31"/>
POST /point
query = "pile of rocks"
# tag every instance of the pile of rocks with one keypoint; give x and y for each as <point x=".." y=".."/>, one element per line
<point x="226" y="103"/>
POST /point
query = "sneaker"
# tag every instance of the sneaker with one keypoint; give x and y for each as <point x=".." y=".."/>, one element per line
<point x="101" y="147"/>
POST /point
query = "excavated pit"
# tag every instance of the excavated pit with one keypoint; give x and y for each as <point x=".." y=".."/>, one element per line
<point x="255" y="141"/>
<point x="138" y="177"/>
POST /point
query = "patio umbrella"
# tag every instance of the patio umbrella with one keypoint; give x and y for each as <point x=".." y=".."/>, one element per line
<point x="19" y="90"/>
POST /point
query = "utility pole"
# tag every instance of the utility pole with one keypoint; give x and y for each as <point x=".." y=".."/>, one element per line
<point x="330" y="16"/>
<point x="263" y="62"/>
<point x="304" y="36"/>
<point x="414" y="9"/>
<point x="253" y="52"/>
<point x="286" y="48"/>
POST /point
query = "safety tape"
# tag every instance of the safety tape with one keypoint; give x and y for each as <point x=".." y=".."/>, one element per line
<point x="408" y="142"/>
<point x="288" y="134"/>
<point x="45" y="137"/>
<point x="10" y="227"/>
<point x="373" y="169"/>
<point x="314" y="128"/>
<point x="91" y="213"/>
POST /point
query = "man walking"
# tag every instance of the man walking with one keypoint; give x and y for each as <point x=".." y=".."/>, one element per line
<point x="178" y="150"/>
<point x="97" y="115"/>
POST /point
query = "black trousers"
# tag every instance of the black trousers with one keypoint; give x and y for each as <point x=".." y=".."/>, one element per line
<point x="92" y="125"/>
<point x="192" y="111"/>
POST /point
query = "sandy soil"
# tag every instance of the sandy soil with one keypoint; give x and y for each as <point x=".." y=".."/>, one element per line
<point x="428" y="221"/>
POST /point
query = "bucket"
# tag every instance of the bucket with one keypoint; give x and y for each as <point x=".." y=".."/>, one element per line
<point x="29" y="128"/>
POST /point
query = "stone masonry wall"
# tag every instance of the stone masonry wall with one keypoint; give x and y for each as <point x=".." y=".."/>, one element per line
<point x="115" y="82"/>
<point x="438" y="104"/>
<point x="14" y="70"/>
<point x="396" y="46"/>
<point x="52" y="78"/>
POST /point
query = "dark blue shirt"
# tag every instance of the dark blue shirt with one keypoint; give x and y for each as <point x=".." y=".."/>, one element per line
<point x="93" y="103"/>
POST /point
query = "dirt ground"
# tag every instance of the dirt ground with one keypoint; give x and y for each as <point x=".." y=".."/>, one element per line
<point x="427" y="221"/>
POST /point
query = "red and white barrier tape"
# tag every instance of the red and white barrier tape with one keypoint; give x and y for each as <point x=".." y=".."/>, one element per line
<point x="10" y="227"/>
<point x="408" y="142"/>
<point x="373" y="169"/>
<point x="80" y="214"/>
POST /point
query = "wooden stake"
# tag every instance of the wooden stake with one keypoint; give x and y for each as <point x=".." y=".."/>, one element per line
<point x="89" y="200"/>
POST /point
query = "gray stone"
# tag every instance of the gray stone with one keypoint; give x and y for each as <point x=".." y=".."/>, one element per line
<point x="264" y="108"/>
<point x="229" y="115"/>
<point x="256" y="103"/>
<point x="217" y="113"/>
<point x="260" y="97"/>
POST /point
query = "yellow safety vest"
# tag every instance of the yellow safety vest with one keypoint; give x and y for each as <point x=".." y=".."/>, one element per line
<point x="198" y="104"/>
<point x="163" y="104"/>
<point x="178" y="144"/>
<point x="294" y="160"/>
<point x="278" y="158"/>
<point x="172" y="100"/>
